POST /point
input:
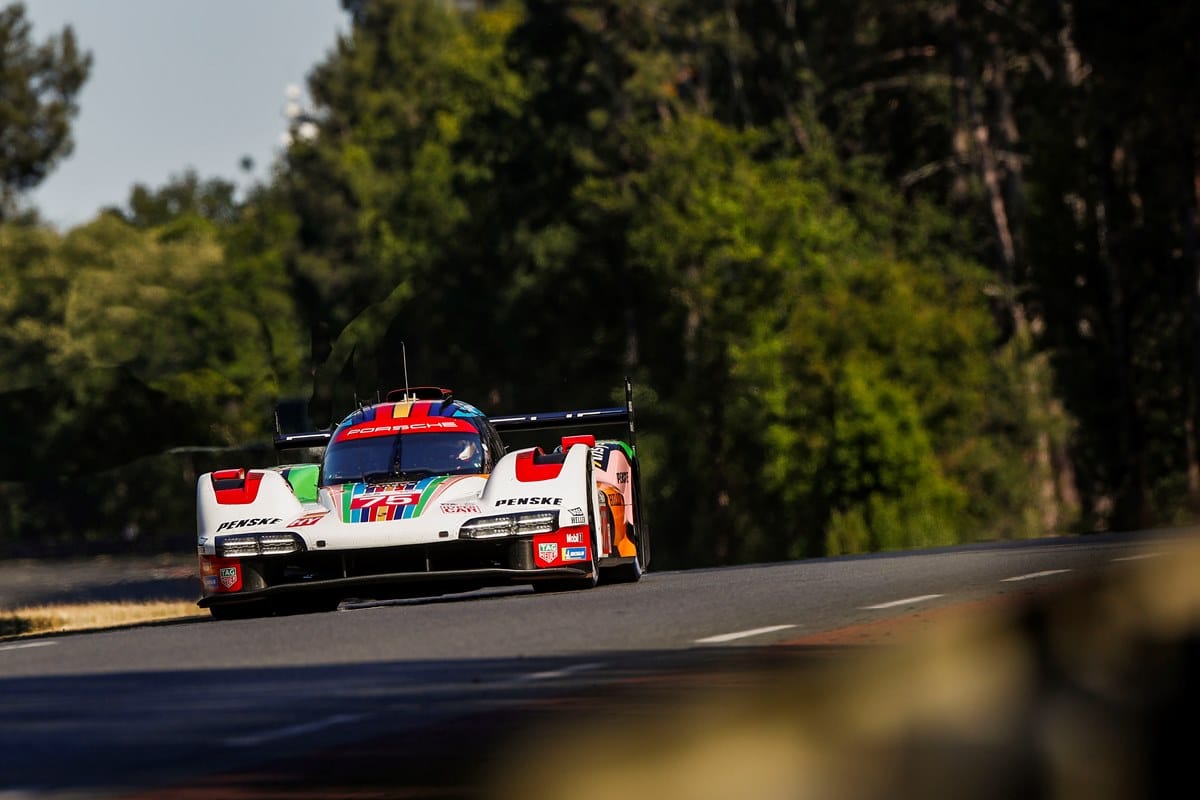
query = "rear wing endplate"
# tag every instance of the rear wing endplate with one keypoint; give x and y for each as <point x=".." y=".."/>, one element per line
<point x="300" y="441"/>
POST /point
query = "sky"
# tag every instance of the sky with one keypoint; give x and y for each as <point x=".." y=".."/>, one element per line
<point x="178" y="84"/>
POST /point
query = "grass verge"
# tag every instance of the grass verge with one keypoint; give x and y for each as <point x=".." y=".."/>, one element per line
<point x="91" y="616"/>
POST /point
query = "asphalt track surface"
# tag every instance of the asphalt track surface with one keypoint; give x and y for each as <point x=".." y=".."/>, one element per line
<point x="426" y="698"/>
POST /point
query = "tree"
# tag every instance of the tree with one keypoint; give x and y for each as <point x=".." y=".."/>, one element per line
<point x="213" y="199"/>
<point x="38" y="88"/>
<point x="829" y="375"/>
<point x="383" y="245"/>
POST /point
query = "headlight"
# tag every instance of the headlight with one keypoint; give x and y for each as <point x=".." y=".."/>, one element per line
<point x="243" y="545"/>
<point x="510" y="525"/>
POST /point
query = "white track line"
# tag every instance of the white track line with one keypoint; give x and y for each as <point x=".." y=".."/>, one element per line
<point x="1033" y="575"/>
<point x="729" y="637"/>
<point x="918" y="599"/>
<point x="251" y="740"/>
<point x="25" y="646"/>
<point x="1136" y="558"/>
<point x="559" y="673"/>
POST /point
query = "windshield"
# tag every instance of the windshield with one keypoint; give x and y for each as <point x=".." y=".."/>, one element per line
<point x="402" y="457"/>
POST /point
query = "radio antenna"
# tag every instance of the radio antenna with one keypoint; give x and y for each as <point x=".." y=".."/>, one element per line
<point x="404" y="358"/>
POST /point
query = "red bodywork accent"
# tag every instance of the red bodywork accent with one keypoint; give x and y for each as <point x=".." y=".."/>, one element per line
<point x="220" y="575"/>
<point x="549" y="548"/>
<point x="587" y="439"/>
<point x="390" y="427"/>
<point x="233" y="487"/>
<point x="529" y="471"/>
<point x="385" y="499"/>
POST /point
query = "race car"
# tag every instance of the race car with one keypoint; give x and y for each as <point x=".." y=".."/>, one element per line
<point x="418" y="495"/>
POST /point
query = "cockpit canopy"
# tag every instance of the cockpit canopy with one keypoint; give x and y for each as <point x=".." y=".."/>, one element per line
<point x="407" y="440"/>
<point x="402" y="456"/>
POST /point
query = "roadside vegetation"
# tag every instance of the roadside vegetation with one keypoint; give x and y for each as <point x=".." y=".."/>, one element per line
<point x="92" y="616"/>
<point x="884" y="275"/>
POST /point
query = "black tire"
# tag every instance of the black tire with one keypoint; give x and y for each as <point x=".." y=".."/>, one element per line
<point x="630" y="572"/>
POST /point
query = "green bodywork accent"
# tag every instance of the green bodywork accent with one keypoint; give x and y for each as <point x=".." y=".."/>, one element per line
<point x="426" y="494"/>
<point x="303" y="480"/>
<point x="623" y="445"/>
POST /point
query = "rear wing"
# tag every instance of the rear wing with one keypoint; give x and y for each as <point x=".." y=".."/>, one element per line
<point x="573" y="419"/>
<point x="517" y="422"/>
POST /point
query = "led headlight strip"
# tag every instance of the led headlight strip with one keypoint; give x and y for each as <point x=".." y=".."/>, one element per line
<point x="525" y="524"/>
<point x="242" y="545"/>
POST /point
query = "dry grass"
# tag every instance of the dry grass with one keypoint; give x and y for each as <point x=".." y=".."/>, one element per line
<point x="91" y="616"/>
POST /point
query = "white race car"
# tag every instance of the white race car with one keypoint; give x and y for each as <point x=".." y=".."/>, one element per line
<point x="416" y="496"/>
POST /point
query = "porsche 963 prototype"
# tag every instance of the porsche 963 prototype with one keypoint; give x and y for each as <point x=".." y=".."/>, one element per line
<point x="419" y="495"/>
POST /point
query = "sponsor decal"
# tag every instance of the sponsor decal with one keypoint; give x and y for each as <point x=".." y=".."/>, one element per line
<point x="547" y="552"/>
<point x="407" y="486"/>
<point x="229" y="576"/>
<point x="406" y="427"/>
<point x="308" y="519"/>
<point x="577" y="517"/>
<point x="248" y="523"/>
<point x="362" y="503"/>
<point x="379" y="499"/>
<point x="460" y="508"/>
<point x="622" y="478"/>
<point x="574" y="538"/>
<point x="574" y="554"/>
<point x="220" y="574"/>
<point x="530" y="501"/>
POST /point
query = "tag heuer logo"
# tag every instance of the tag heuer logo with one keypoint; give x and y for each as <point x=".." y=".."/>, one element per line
<point x="229" y="576"/>
<point x="548" y="552"/>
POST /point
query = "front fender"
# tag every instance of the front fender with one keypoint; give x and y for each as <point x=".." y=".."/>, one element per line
<point x="255" y="501"/>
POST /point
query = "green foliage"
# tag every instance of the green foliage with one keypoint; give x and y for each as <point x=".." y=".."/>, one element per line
<point x="124" y="341"/>
<point x="881" y="477"/>
<point x="886" y="276"/>
<point x="184" y="195"/>
<point x="819" y="376"/>
<point x="37" y="101"/>
<point x="385" y="193"/>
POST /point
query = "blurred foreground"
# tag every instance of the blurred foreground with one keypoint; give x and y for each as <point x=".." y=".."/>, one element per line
<point x="1089" y="693"/>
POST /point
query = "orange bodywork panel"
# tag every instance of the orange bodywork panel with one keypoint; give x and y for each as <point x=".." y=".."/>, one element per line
<point x="616" y="504"/>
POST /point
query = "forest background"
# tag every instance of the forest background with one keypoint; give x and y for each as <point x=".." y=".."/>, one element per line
<point x="885" y="275"/>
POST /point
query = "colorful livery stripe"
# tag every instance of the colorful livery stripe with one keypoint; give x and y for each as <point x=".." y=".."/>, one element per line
<point x="388" y="501"/>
